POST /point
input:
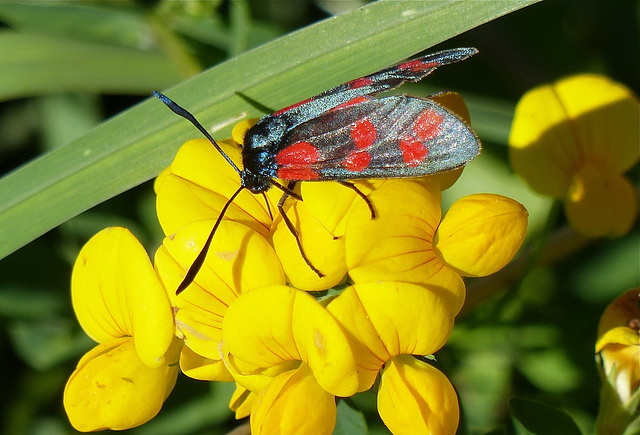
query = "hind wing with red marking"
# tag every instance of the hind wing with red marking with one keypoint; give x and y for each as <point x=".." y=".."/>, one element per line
<point x="391" y="137"/>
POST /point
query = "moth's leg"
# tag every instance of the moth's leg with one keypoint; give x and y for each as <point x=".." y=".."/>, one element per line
<point x="266" y="201"/>
<point x="361" y="195"/>
<point x="293" y="230"/>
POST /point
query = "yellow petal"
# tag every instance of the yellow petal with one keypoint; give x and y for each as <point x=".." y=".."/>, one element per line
<point x="447" y="284"/>
<point x="240" y="129"/>
<point x="601" y="203"/>
<point x="239" y="260"/>
<point x="584" y="119"/>
<point x="446" y="179"/>
<point x="330" y="203"/>
<point x="253" y="377"/>
<point x="160" y="178"/>
<point x="416" y="398"/>
<point x="397" y="244"/>
<point x="116" y="293"/>
<point x="407" y="318"/>
<point x="481" y="233"/>
<point x="368" y="349"/>
<point x="113" y="389"/>
<point x="605" y="118"/>
<point x="542" y="146"/>
<point x="200" y="184"/>
<point x="324" y="251"/>
<point x="283" y="407"/>
<point x="205" y="369"/>
<point x="388" y="319"/>
<point x="621" y="361"/>
<point x="621" y="312"/>
<point x="272" y="325"/>
<point x="242" y="401"/>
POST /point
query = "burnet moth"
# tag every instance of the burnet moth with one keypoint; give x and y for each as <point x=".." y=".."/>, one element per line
<point x="345" y="134"/>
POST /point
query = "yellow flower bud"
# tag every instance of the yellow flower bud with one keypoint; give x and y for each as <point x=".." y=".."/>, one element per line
<point x="480" y="234"/>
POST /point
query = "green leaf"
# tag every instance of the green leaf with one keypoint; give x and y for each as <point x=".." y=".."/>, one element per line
<point x="43" y="344"/>
<point x="350" y="421"/>
<point x="24" y="302"/>
<point x="133" y="147"/>
<point x="532" y="417"/>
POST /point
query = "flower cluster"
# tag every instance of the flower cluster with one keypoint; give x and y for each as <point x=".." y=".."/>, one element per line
<point x="252" y="315"/>
<point x="573" y="140"/>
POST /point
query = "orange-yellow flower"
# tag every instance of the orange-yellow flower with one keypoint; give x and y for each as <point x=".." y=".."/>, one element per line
<point x="573" y="140"/>
<point x="121" y="304"/>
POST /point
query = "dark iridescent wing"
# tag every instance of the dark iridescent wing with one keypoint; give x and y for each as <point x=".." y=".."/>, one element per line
<point x="391" y="137"/>
<point x="384" y="80"/>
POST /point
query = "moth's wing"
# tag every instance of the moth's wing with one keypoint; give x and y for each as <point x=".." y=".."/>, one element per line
<point x="391" y="137"/>
<point x="384" y="80"/>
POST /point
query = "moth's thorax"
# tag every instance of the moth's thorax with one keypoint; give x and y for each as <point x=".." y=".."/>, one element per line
<point x="258" y="154"/>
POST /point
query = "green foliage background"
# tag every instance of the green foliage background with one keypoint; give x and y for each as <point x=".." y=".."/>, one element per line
<point x="65" y="67"/>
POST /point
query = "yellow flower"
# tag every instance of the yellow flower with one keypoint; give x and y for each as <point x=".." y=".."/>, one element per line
<point x="239" y="261"/>
<point x="573" y="140"/>
<point x="618" y="357"/>
<point x="618" y="345"/>
<point x="121" y="304"/>
<point x="198" y="184"/>
<point x="477" y="237"/>
<point x="387" y="323"/>
<point x="285" y="337"/>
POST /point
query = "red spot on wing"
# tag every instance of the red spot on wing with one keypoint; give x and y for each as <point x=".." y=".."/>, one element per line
<point x="427" y="125"/>
<point x="363" y="133"/>
<point x="286" y="109"/>
<point x="351" y="102"/>
<point x="413" y="151"/>
<point x="295" y="160"/>
<point x="361" y="82"/>
<point x="417" y="65"/>
<point x="299" y="153"/>
<point x="357" y="161"/>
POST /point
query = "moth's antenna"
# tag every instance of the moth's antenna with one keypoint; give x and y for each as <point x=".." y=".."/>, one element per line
<point x="189" y="117"/>
<point x="199" y="261"/>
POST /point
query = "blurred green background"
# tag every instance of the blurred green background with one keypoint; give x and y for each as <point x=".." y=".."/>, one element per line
<point x="65" y="67"/>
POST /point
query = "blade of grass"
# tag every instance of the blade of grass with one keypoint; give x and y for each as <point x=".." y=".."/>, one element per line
<point x="133" y="147"/>
<point x="116" y="24"/>
<point x="34" y="65"/>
